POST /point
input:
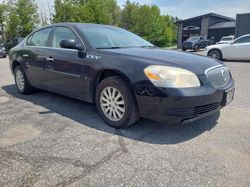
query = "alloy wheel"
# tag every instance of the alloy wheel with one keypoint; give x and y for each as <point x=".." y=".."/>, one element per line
<point x="20" y="80"/>
<point x="112" y="103"/>
<point x="215" y="54"/>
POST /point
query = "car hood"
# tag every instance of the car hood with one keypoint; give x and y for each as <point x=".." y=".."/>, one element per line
<point x="224" y="42"/>
<point x="218" y="46"/>
<point x="156" y="56"/>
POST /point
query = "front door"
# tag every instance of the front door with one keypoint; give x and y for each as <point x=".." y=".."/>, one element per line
<point x="64" y="68"/>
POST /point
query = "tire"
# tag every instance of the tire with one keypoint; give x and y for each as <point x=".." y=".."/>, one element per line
<point x="125" y="112"/>
<point x="22" y="83"/>
<point x="196" y="48"/>
<point x="215" y="53"/>
<point x="4" y="56"/>
<point x="183" y="49"/>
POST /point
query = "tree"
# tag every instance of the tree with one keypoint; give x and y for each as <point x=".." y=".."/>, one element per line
<point x="88" y="11"/>
<point x="22" y="18"/>
<point x="3" y="12"/>
<point x="147" y="22"/>
<point x="144" y="20"/>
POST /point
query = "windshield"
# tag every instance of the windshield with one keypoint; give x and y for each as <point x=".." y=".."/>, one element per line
<point x="193" y="39"/>
<point x="111" y="37"/>
<point x="226" y="38"/>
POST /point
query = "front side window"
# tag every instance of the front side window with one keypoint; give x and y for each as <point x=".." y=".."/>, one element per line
<point x="226" y="38"/>
<point x="39" y="38"/>
<point x="245" y="39"/>
<point x="63" y="33"/>
<point x="194" y="39"/>
<point x="111" y="37"/>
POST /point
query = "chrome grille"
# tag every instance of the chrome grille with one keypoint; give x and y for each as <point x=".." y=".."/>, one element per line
<point x="218" y="76"/>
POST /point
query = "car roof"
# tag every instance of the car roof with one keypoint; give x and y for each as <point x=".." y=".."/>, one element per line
<point x="242" y="36"/>
<point x="87" y="25"/>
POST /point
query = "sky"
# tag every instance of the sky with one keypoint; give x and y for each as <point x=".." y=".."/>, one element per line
<point x="184" y="9"/>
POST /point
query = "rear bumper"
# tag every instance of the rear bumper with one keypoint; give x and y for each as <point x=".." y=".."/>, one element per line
<point x="183" y="107"/>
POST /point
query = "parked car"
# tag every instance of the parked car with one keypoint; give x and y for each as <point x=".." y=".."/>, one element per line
<point x="3" y="52"/>
<point x="12" y="43"/>
<point x="239" y="49"/>
<point x="124" y="75"/>
<point x="226" y="40"/>
<point x="195" y="43"/>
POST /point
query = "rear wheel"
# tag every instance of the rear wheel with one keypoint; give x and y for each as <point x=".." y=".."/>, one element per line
<point x="21" y="81"/>
<point x="215" y="53"/>
<point x="115" y="103"/>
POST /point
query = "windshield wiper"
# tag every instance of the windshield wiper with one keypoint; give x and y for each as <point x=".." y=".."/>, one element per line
<point x="149" y="46"/>
<point x="108" y="47"/>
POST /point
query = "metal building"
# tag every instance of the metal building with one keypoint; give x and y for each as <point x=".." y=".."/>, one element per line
<point x="210" y="26"/>
<point x="242" y="24"/>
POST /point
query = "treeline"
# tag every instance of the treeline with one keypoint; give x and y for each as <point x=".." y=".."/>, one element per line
<point x="19" y="17"/>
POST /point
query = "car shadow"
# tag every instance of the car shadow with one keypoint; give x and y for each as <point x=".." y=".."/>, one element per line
<point x="86" y="114"/>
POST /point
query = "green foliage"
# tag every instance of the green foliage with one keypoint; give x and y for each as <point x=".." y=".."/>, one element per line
<point x="88" y="11"/>
<point x="22" y="17"/>
<point x="3" y="12"/>
<point x="144" y="20"/>
<point x="147" y="22"/>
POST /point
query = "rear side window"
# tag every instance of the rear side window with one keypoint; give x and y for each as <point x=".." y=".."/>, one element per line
<point x="63" y="33"/>
<point x="39" y="38"/>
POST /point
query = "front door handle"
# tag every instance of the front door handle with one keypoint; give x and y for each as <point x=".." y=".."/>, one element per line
<point x="50" y="59"/>
<point x="25" y="55"/>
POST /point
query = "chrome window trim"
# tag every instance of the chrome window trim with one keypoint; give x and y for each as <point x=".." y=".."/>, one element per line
<point x="64" y="73"/>
<point x="47" y="47"/>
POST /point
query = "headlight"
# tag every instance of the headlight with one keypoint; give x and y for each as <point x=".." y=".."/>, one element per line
<point x="171" y="77"/>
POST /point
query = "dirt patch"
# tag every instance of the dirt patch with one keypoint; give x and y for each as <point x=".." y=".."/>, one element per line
<point x="4" y="99"/>
<point x="18" y="134"/>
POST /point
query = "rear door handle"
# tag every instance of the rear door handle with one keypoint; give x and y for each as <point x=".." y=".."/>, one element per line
<point x="50" y="59"/>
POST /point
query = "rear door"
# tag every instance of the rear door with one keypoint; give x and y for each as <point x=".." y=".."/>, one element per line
<point x="239" y="50"/>
<point x="35" y="54"/>
<point x="242" y="48"/>
<point x="64" y="68"/>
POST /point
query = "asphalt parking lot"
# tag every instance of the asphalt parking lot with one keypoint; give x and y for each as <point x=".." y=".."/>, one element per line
<point x="51" y="140"/>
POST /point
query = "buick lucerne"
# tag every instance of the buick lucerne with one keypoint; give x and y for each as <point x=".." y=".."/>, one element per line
<point x="124" y="75"/>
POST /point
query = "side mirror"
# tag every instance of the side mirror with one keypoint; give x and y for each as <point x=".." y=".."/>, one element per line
<point x="71" y="44"/>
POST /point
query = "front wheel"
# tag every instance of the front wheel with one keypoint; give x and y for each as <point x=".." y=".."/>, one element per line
<point x="215" y="53"/>
<point x="196" y="48"/>
<point x="115" y="103"/>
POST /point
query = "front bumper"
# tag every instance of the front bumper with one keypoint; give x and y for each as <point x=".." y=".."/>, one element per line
<point x="182" y="106"/>
<point x="3" y="53"/>
<point x="188" y="45"/>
